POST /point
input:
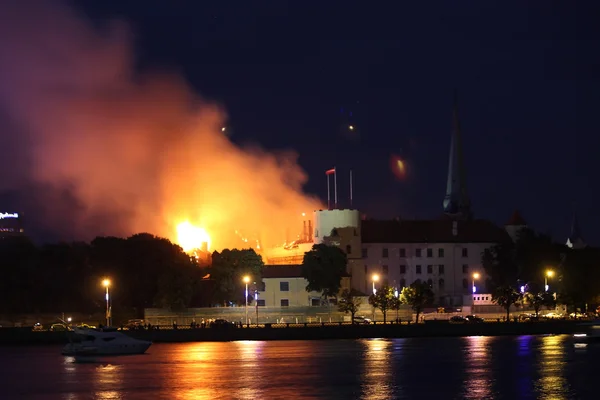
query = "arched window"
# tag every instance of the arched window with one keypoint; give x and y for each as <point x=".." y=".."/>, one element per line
<point x="402" y="282"/>
<point x="430" y="283"/>
<point x="441" y="283"/>
<point x="418" y="281"/>
<point x="465" y="284"/>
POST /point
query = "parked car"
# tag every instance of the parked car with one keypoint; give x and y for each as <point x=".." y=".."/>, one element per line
<point x="457" y="319"/>
<point x="134" y="324"/>
<point x="221" y="323"/>
<point x="58" y="327"/>
<point x="473" y="319"/>
<point x="362" y="320"/>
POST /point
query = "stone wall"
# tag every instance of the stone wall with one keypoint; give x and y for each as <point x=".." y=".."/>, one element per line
<point x="159" y="316"/>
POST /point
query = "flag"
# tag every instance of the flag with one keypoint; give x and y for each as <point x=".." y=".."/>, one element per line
<point x="330" y="171"/>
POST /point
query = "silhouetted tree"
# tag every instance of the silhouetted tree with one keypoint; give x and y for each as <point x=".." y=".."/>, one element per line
<point x="323" y="267"/>
<point x="228" y="270"/>
<point x="506" y="296"/>
<point x="349" y="303"/>
<point x="417" y="295"/>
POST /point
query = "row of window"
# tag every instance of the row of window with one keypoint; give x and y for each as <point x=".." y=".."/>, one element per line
<point x="385" y="253"/>
<point x="418" y="269"/>
<point x="286" y="302"/>
<point x="441" y="283"/>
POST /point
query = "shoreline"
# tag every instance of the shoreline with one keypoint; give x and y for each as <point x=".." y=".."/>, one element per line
<point x="27" y="337"/>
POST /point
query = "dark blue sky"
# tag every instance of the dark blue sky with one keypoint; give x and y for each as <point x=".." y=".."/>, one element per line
<point x="526" y="73"/>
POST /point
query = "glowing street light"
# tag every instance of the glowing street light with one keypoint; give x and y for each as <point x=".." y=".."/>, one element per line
<point x="548" y="274"/>
<point x="106" y="284"/>
<point x="475" y="276"/>
<point x="246" y="281"/>
<point x="375" y="279"/>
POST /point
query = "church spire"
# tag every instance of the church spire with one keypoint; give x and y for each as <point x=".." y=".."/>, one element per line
<point x="456" y="202"/>
<point x="575" y="240"/>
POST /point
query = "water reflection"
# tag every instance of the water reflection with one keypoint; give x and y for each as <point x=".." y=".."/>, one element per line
<point x="192" y="370"/>
<point x="377" y="375"/>
<point x="524" y="364"/>
<point x="478" y="374"/>
<point x="552" y="383"/>
<point x="249" y="368"/>
<point x="108" y="379"/>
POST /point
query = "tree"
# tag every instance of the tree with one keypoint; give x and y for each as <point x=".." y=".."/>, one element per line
<point x="417" y="295"/>
<point x="500" y="265"/>
<point x="349" y="303"/>
<point x="539" y="299"/>
<point x="383" y="299"/>
<point x="323" y="267"/>
<point x="505" y="296"/>
<point x="228" y="270"/>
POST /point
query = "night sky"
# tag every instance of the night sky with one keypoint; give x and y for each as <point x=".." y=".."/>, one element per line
<point x="290" y="72"/>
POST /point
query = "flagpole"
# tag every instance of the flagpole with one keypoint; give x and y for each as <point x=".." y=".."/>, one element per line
<point x="328" y="195"/>
<point x="350" y="188"/>
<point x="335" y="186"/>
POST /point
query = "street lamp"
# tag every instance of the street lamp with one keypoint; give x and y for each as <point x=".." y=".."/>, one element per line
<point x="475" y="276"/>
<point x="256" y="304"/>
<point x="106" y="284"/>
<point x="375" y="279"/>
<point x="246" y="281"/>
<point x="548" y="274"/>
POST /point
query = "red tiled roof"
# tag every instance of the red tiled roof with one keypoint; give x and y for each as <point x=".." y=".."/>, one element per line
<point x="432" y="231"/>
<point x="516" y="219"/>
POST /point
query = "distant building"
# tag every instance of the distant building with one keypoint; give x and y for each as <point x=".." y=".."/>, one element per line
<point x="284" y="286"/>
<point x="444" y="252"/>
<point x="11" y="224"/>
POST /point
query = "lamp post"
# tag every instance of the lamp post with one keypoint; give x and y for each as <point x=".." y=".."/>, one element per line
<point x="256" y="304"/>
<point x="397" y="295"/>
<point x="475" y="276"/>
<point x="106" y="284"/>
<point x="548" y="274"/>
<point x="246" y="281"/>
<point x="375" y="279"/>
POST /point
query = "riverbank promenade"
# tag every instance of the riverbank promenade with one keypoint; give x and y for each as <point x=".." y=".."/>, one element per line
<point x="315" y="331"/>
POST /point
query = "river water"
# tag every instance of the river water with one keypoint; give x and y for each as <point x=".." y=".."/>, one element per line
<point x="524" y="367"/>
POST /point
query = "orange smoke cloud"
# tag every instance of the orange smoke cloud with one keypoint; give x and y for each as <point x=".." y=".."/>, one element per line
<point x="139" y="153"/>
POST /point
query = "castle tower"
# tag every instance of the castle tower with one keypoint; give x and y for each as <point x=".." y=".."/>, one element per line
<point x="575" y="240"/>
<point x="456" y="202"/>
<point x="515" y="225"/>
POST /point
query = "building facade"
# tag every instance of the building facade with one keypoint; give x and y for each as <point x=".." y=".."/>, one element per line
<point x="284" y="286"/>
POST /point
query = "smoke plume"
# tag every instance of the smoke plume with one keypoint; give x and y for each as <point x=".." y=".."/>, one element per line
<point x="91" y="147"/>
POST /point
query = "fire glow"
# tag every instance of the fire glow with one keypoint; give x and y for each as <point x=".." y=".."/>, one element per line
<point x="151" y="154"/>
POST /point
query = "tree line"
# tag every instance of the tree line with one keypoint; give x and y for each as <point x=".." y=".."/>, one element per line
<point x="518" y="272"/>
<point x="144" y="271"/>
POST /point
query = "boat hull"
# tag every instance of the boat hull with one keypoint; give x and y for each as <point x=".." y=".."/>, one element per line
<point x="76" y="349"/>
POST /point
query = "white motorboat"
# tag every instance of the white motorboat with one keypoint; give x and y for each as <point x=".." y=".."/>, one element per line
<point x="96" y="342"/>
<point x="588" y="332"/>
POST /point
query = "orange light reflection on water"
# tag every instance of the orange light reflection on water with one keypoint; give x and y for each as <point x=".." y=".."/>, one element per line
<point x="108" y="379"/>
<point x="552" y="384"/>
<point x="377" y="376"/>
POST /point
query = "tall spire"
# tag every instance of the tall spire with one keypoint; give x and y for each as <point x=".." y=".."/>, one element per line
<point x="456" y="202"/>
<point x="575" y="240"/>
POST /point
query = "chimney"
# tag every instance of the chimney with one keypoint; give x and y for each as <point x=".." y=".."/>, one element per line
<point x="304" y="230"/>
<point x="204" y="247"/>
<point x="310" y="231"/>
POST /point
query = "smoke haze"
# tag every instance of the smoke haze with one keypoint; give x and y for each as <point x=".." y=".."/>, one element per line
<point x="92" y="148"/>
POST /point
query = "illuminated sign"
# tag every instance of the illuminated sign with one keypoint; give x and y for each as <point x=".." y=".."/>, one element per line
<point x="8" y="215"/>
